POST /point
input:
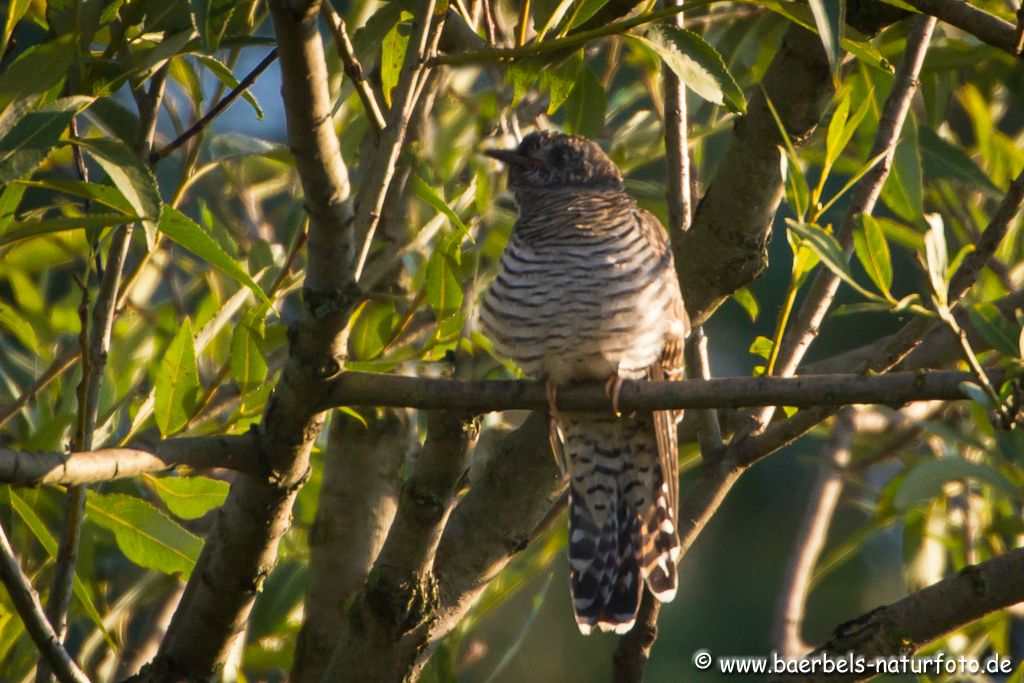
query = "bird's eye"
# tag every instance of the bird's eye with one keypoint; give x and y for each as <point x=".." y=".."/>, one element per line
<point x="558" y="156"/>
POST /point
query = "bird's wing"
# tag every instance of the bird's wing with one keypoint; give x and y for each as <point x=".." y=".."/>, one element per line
<point x="671" y="365"/>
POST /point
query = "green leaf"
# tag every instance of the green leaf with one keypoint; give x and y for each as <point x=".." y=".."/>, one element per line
<point x="107" y="195"/>
<point x="433" y="198"/>
<point x="585" y="108"/>
<point x="829" y="251"/>
<point x="523" y="75"/>
<point x="210" y="18"/>
<point x="10" y="199"/>
<point x="79" y="18"/>
<point x="936" y="256"/>
<point x="35" y="134"/>
<point x="697" y="64"/>
<point x="852" y="41"/>
<point x="15" y="11"/>
<point x="49" y="543"/>
<point x="224" y="75"/>
<point x="392" y="55"/>
<point x="559" y="80"/>
<point x="995" y="329"/>
<point x="187" y="233"/>
<point x="189" y="497"/>
<point x="903" y="191"/>
<point x="133" y="178"/>
<point x="177" y="389"/>
<point x="762" y="347"/>
<point x="20" y="230"/>
<point x="745" y="298"/>
<point x="925" y="481"/>
<point x="33" y="73"/>
<point x="248" y="364"/>
<point x="829" y="18"/>
<point x="942" y="159"/>
<point x="14" y="324"/>
<point x="375" y="323"/>
<point x="444" y="290"/>
<point x="146" y="536"/>
<point x="584" y="10"/>
<point x="873" y="251"/>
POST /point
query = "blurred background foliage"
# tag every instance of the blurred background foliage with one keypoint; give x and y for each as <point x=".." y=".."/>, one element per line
<point x="213" y="280"/>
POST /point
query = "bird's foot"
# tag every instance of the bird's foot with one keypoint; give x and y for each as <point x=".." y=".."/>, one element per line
<point x="612" y="388"/>
<point x="551" y="391"/>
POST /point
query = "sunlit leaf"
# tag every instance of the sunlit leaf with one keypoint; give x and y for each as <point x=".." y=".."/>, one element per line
<point x="189" y="497"/>
<point x="146" y="536"/>
<point x="936" y="256"/>
<point x="829" y="251"/>
<point x="107" y="195"/>
<point x="903" y="191"/>
<point x="248" y="362"/>
<point x="392" y="55"/>
<point x="872" y="250"/>
<point x="20" y="230"/>
<point x="177" y="388"/>
<point x="132" y="177"/>
<point x="16" y="325"/>
<point x="374" y="325"/>
<point x="745" y="298"/>
<point x="697" y="64"/>
<point x="224" y="75"/>
<point x="184" y="231"/>
<point x="444" y="289"/>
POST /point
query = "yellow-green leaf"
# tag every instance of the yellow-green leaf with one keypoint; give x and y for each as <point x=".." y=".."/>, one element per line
<point x="146" y="536"/>
<point x="177" y="388"/>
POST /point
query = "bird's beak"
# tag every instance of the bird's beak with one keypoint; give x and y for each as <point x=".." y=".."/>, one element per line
<point x="513" y="158"/>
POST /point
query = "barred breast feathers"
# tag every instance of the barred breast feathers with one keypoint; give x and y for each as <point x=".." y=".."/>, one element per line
<point x="578" y="281"/>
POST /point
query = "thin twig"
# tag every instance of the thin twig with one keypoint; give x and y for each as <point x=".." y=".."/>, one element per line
<point x="634" y="648"/>
<point x="58" y="367"/>
<point x="27" y="604"/>
<point x="216" y="110"/>
<point x="810" y="539"/>
<point x="347" y="53"/>
<point x="415" y="70"/>
<point x="986" y="27"/>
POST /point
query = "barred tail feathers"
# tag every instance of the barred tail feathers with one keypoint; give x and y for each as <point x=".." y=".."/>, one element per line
<point x="621" y="526"/>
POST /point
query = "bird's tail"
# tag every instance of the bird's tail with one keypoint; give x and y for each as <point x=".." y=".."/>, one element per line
<point x="621" y="526"/>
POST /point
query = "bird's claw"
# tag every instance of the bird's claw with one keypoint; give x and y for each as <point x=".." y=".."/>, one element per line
<point x="612" y="388"/>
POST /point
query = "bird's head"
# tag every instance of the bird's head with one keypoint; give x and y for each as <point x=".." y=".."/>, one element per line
<point x="550" y="160"/>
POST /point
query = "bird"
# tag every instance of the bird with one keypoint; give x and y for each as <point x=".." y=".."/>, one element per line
<point x="586" y="290"/>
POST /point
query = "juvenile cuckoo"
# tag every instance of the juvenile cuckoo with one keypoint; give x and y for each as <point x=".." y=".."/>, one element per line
<point x="587" y="290"/>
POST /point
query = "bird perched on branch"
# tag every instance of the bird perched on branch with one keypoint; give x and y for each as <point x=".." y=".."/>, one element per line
<point x="587" y="290"/>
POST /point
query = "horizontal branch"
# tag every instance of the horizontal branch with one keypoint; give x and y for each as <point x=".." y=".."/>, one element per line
<point x="368" y="389"/>
<point x="197" y="453"/>
<point x="921" y="617"/>
<point x="986" y="27"/>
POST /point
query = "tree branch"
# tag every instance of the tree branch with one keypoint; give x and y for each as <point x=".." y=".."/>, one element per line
<point x="354" y="70"/>
<point x="358" y="499"/>
<point x="21" y="468"/>
<point x="988" y="28"/>
<point x="389" y="622"/>
<point x="215" y="111"/>
<point x="26" y="602"/>
<point x="727" y="246"/>
<point x="370" y="389"/>
<point x="634" y="649"/>
<point x="242" y="547"/>
<point x="904" y="626"/>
